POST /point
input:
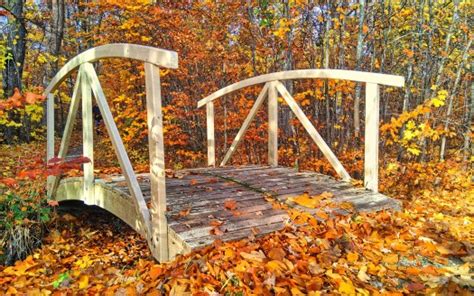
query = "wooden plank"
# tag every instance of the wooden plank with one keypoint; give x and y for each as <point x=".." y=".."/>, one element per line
<point x="371" y="160"/>
<point x="246" y="124"/>
<point x="272" y="125"/>
<point x="357" y="76"/>
<point x="157" y="162"/>
<point x="248" y="223"/>
<point x="341" y="171"/>
<point x="87" y="139"/>
<point x="124" y="161"/>
<point x="147" y="54"/>
<point x="71" y="117"/>
<point x="244" y="233"/>
<point x="211" y="139"/>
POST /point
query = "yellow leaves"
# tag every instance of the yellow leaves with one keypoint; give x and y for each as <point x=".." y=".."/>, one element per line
<point x="308" y="201"/>
<point x="84" y="262"/>
<point x="362" y="274"/>
<point x="276" y="266"/>
<point x="352" y="257"/>
<point x="283" y="26"/>
<point x="440" y="99"/>
<point x="83" y="281"/>
<point x="347" y="288"/>
<point x="390" y="258"/>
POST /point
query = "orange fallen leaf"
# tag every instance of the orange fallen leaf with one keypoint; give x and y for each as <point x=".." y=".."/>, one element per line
<point x="352" y="257"/>
<point x="230" y="204"/>
<point x="216" y="223"/>
<point x="276" y="254"/>
<point x="155" y="272"/>
<point x="390" y="259"/>
<point x="216" y="231"/>
<point x="184" y="213"/>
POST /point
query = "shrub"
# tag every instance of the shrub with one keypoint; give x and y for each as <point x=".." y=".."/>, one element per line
<point x="23" y="220"/>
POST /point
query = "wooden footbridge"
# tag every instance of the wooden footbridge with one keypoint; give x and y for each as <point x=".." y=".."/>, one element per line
<point x="154" y="205"/>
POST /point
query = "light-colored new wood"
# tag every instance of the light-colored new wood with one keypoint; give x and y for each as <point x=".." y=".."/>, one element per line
<point x="336" y="164"/>
<point x="371" y="162"/>
<point x="152" y="55"/>
<point x="87" y="138"/>
<point x="159" y="224"/>
<point x="253" y="111"/>
<point x="358" y="76"/>
<point x="127" y="169"/>
<point x="272" y="125"/>
<point x="50" y="137"/>
<point x="71" y="116"/>
<point x="211" y="142"/>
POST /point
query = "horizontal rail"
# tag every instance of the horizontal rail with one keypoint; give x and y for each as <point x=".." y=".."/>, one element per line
<point x="358" y="76"/>
<point x="152" y="55"/>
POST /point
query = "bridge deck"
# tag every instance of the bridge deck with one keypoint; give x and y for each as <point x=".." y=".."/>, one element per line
<point x="196" y="200"/>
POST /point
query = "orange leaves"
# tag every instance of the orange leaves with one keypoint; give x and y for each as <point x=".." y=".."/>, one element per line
<point x="311" y="202"/>
<point x="276" y="254"/>
<point x="19" y="100"/>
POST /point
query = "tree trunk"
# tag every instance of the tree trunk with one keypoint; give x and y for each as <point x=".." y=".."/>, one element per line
<point x="16" y="41"/>
<point x="360" y="45"/>
<point x="451" y="98"/>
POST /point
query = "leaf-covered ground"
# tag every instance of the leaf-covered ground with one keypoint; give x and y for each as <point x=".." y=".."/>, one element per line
<point x="426" y="248"/>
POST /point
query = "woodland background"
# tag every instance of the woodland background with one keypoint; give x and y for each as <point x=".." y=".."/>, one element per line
<point x="426" y="141"/>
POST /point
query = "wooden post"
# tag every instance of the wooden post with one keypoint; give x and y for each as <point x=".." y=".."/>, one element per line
<point x="50" y="137"/>
<point x="272" y="125"/>
<point x="159" y="225"/>
<point x="88" y="140"/>
<point x="125" y="164"/>
<point x="371" y="161"/>
<point x="211" y="142"/>
<point x="71" y="116"/>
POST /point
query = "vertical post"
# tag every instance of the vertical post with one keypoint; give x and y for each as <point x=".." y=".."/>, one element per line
<point x="159" y="225"/>
<point x="50" y="136"/>
<point x="211" y="143"/>
<point x="371" y="162"/>
<point x="88" y="140"/>
<point x="272" y="125"/>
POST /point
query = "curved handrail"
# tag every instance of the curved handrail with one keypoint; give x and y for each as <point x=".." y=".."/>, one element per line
<point x="358" y="76"/>
<point x="148" y="54"/>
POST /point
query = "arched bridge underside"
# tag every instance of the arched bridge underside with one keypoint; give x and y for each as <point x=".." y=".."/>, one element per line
<point x="196" y="206"/>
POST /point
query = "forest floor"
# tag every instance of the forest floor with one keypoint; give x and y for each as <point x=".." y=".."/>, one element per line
<point x="428" y="247"/>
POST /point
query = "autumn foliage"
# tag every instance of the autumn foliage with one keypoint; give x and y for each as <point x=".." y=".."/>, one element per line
<point x="426" y="145"/>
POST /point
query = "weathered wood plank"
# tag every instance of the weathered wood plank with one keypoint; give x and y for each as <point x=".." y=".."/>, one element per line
<point x="159" y="227"/>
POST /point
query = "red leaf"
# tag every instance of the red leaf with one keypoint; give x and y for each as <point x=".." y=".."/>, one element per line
<point x="230" y="204"/>
<point x="55" y="161"/>
<point x="10" y="182"/>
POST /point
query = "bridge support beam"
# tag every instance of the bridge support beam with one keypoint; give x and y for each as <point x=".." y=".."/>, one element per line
<point x="371" y="161"/>
<point x="272" y="125"/>
<point x="159" y="224"/>
<point x="211" y="142"/>
<point x="88" y="139"/>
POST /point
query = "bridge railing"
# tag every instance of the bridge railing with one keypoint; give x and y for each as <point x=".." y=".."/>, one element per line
<point x="273" y="87"/>
<point x="153" y="223"/>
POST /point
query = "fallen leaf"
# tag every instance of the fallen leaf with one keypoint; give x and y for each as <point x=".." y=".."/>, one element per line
<point x="230" y="204"/>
